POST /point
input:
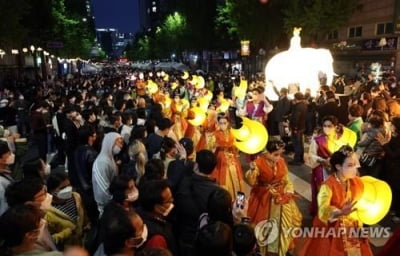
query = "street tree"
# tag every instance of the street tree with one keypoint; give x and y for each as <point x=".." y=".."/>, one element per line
<point x="318" y="17"/>
<point x="259" y="22"/>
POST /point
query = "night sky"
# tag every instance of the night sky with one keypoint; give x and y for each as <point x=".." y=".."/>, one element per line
<point x="119" y="14"/>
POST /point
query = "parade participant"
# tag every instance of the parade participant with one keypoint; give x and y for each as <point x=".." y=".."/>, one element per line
<point x="228" y="171"/>
<point x="336" y="199"/>
<point x="259" y="107"/>
<point x="179" y="112"/>
<point x="271" y="198"/>
<point x="166" y="104"/>
<point x="207" y="139"/>
<point x="192" y="131"/>
<point x="321" y="148"/>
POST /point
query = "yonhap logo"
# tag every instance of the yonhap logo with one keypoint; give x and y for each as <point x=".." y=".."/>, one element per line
<point x="266" y="231"/>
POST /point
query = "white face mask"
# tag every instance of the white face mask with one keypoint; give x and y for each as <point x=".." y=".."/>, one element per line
<point x="143" y="236"/>
<point x="133" y="196"/>
<point x="116" y="150"/>
<point x="168" y="210"/>
<point x="65" y="193"/>
<point x="47" y="170"/>
<point x="46" y="204"/>
<point x="11" y="159"/>
<point x="141" y="121"/>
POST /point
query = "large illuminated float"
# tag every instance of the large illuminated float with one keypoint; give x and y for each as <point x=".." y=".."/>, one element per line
<point x="298" y="69"/>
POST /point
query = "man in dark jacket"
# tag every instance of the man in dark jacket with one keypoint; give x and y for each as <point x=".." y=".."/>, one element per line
<point x="71" y="126"/>
<point x="180" y="168"/>
<point x="281" y="111"/>
<point x="84" y="159"/>
<point x="192" y="199"/>
<point x="330" y="108"/>
<point x="297" y="122"/>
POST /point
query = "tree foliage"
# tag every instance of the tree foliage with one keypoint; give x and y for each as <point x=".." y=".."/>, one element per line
<point x="252" y="20"/>
<point x="318" y="17"/>
<point x="11" y="28"/>
<point x="36" y="22"/>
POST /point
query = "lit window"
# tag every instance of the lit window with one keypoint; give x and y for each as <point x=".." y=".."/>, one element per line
<point x="154" y="9"/>
<point x="153" y="3"/>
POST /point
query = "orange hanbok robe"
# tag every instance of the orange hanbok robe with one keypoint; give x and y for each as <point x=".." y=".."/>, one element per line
<point x="271" y="199"/>
<point x="207" y="139"/>
<point x="178" y="117"/>
<point x="228" y="172"/>
<point x="192" y="131"/>
<point x="331" y="197"/>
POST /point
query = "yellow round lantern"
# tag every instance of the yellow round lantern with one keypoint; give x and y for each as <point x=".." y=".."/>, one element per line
<point x="152" y="87"/>
<point x="194" y="80"/>
<point x="375" y="201"/>
<point x="174" y="85"/>
<point x="200" y="82"/>
<point x="203" y="103"/>
<point x="166" y="78"/>
<point x="242" y="133"/>
<point x="256" y="140"/>
<point x="185" y="103"/>
<point x="199" y="116"/>
<point x="185" y="75"/>
<point x="223" y="107"/>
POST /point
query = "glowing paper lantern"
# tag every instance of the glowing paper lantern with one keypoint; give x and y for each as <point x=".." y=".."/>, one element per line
<point x="194" y="80"/>
<point x="185" y="75"/>
<point x="174" y="85"/>
<point x="199" y="116"/>
<point x="203" y="103"/>
<point x="224" y="105"/>
<point x="375" y="201"/>
<point x="298" y="67"/>
<point x="166" y="78"/>
<point x="242" y="133"/>
<point x="152" y="87"/>
<point x="256" y="139"/>
<point x="200" y="82"/>
<point x="185" y="103"/>
<point x="209" y="95"/>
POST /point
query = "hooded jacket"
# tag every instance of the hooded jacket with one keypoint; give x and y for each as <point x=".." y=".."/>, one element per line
<point x="104" y="171"/>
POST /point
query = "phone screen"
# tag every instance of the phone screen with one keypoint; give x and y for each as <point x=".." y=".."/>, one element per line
<point x="240" y="199"/>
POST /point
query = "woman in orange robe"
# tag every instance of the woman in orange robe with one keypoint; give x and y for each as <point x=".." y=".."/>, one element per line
<point x="207" y="139"/>
<point x="271" y="205"/>
<point x="336" y="199"/>
<point x="228" y="171"/>
<point x="178" y="114"/>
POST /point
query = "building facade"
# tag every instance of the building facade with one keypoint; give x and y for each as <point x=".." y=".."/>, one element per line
<point x="152" y="13"/>
<point x="370" y="36"/>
